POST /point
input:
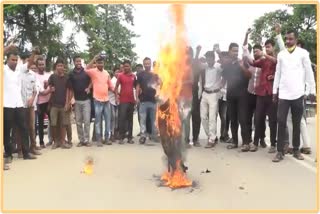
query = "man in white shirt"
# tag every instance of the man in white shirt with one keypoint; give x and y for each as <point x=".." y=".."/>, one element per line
<point x="211" y="82"/>
<point x="293" y="73"/>
<point x="14" y="114"/>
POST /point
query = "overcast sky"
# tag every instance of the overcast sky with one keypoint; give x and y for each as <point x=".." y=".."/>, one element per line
<point x="206" y="24"/>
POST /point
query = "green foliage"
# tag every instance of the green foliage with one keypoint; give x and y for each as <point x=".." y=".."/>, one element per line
<point x="303" y="20"/>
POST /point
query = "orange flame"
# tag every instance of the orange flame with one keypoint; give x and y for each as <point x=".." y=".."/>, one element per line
<point x="172" y="67"/>
<point x="88" y="168"/>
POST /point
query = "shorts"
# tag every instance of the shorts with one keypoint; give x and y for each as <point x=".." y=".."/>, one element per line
<point x="59" y="117"/>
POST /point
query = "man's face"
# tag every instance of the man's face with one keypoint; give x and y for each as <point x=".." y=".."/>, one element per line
<point x="116" y="73"/>
<point x="77" y="63"/>
<point x="147" y="65"/>
<point x="269" y="49"/>
<point x="33" y="68"/>
<point x="127" y="67"/>
<point x="12" y="62"/>
<point x="234" y="52"/>
<point x="140" y="69"/>
<point x="257" y="53"/>
<point x="41" y="65"/>
<point x="60" y="68"/>
<point x="121" y="68"/>
<point x="291" y="40"/>
<point x="100" y="65"/>
<point x="210" y="61"/>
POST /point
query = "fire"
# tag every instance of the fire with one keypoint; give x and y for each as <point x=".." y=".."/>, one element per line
<point x="88" y="168"/>
<point x="171" y="68"/>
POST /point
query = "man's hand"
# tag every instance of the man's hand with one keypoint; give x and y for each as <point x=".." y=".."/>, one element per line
<point x="277" y="28"/>
<point x="199" y="48"/>
<point x="312" y="98"/>
<point x="30" y="102"/>
<point x="275" y="98"/>
<point x="249" y="31"/>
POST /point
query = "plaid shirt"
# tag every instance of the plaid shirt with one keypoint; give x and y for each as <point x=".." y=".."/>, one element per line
<point x="28" y="86"/>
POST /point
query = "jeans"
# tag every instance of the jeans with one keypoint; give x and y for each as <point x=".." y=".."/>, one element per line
<point x="15" y="117"/>
<point x="296" y="107"/>
<point x="82" y="114"/>
<point x="145" y="109"/>
<point x="126" y="119"/>
<point x="99" y="109"/>
<point x="114" y="119"/>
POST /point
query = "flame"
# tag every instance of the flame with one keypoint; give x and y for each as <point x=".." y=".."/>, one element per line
<point x="172" y="67"/>
<point x="177" y="179"/>
<point x="88" y="168"/>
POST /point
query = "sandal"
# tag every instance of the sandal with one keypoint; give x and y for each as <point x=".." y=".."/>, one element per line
<point x="232" y="146"/>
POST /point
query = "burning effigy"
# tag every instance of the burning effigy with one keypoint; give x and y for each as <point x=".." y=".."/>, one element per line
<point x="173" y="68"/>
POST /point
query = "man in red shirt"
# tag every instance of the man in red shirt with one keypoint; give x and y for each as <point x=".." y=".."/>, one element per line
<point x="126" y="101"/>
<point x="265" y="106"/>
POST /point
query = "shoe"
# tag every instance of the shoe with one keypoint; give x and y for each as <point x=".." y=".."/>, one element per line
<point x="80" y="144"/>
<point x="65" y="146"/>
<point x="43" y="146"/>
<point x="49" y="144"/>
<point x="245" y="148"/>
<point x="121" y="142"/>
<point x="227" y="139"/>
<point x="112" y="138"/>
<point x="253" y="147"/>
<point x="263" y="143"/>
<point x="272" y="149"/>
<point x="35" y="152"/>
<point x="278" y="157"/>
<point x="138" y="135"/>
<point x="69" y="143"/>
<point x="55" y="146"/>
<point x="87" y="144"/>
<point x="297" y="155"/>
<point x="99" y="144"/>
<point x="196" y="143"/>
<point x="142" y="140"/>
<point x="108" y="142"/>
<point x="305" y="150"/>
<point x="130" y="141"/>
<point x="290" y="150"/>
<point x="29" y="157"/>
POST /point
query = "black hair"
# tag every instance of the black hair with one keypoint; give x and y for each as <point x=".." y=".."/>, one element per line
<point x="301" y="43"/>
<point x="100" y="59"/>
<point x="15" y="53"/>
<point x="223" y="54"/>
<point x="24" y="55"/>
<point x="126" y="62"/>
<point x="75" y="57"/>
<point x="139" y="65"/>
<point x="39" y="59"/>
<point x="233" y="45"/>
<point x="270" y="41"/>
<point x="58" y="61"/>
<point x="147" y="58"/>
<point x="257" y="46"/>
<point x="210" y="54"/>
<point x="294" y="32"/>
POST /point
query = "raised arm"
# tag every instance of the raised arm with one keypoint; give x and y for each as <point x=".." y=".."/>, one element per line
<point x="90" y="65"/>
<point x="279" y="39"/>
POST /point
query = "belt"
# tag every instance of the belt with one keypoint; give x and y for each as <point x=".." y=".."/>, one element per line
<point x="210" y="92"/>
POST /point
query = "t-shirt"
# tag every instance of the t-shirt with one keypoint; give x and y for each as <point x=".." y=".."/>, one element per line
<point x="58" y="97"/>
<point x="236" y="80"/>
<point x="79" y="81"/>
<point x="148" y="82"/>
<point x="127" y="82"/>
<point x="41" y="78"/>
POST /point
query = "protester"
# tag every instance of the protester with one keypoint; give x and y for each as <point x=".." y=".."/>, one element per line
<point x="114" y="119"/>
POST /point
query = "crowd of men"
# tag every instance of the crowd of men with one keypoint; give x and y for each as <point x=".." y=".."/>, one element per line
<point x="241" y="91"/>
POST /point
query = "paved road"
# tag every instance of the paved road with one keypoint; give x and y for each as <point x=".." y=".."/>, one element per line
<point x="125" y="177"/>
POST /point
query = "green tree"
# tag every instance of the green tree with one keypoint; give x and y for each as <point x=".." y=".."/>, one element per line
<point x="302" y="19"/>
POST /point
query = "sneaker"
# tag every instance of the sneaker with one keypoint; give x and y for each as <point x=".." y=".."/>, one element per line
<point x="65" y="146"/>
<point x="99" y="144"/>
<point x="253" y="147"/>
<point x="245" y="148"/>
<point x="142" y="140"/>
<point x="297" y="155"/>
<point x="272" y="149"/>
<point x="263" y="143"/>
<point x="210" y="144"/>
<point x="278" y="157"/>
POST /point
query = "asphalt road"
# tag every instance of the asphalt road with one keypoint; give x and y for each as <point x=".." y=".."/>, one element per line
<point x="126" y="177"/>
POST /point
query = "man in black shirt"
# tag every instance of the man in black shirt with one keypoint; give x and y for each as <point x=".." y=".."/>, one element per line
<point x="237" y="77"/>
<point x="80" y="84"/>
<point x="146" y="92"/>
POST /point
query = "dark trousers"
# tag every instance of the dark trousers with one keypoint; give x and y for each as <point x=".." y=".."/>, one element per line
<point x="297" y="112"/>
<point x="238" y="111"/>
<point x="42" y="110"/>
<point x="15" y="117"/>
<point x="252" y="103"/>
<point x="265" y="107"/>
<point x="223" y="118"/>
<point x="196" y="118"/>
<point x="126" y="119"/>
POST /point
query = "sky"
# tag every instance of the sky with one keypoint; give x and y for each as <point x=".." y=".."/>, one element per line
<point x="206" y="24"/>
